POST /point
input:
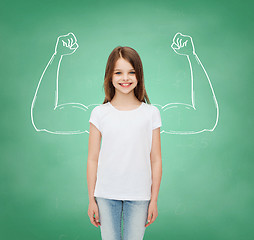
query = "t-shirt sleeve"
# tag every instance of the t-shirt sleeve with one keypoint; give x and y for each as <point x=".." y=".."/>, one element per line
<point x="156" y="118"/>
<point x="95" y="118"/>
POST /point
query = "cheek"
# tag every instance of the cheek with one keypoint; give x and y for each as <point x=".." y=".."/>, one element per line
<point x="114" y="81"/>
<point x="115" y="77"/>
<point x="135" y="79"/>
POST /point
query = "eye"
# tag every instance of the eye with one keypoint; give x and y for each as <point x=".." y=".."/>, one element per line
<point x="120" y="72"/>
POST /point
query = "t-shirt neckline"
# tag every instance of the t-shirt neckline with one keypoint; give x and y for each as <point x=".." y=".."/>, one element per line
<point x="142" y="103"/>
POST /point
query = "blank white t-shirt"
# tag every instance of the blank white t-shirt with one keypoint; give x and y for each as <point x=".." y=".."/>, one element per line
<point x="124" y="167"/>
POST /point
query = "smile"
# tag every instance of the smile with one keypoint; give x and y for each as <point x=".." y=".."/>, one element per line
<point x="125" y="84"/>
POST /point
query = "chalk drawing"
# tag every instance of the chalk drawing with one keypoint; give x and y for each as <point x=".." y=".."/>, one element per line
<point x="182" y="45"/>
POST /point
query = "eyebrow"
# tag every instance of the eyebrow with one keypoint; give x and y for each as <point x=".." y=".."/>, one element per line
<point x="121" y="69"/>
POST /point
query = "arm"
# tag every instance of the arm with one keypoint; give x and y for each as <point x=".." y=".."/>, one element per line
<point x="202" y="115"/>
<point x="92" y="159"/>
<point x="46" y="114"/>
<point x="92" y="165"/>
<point x="156" y="167"/>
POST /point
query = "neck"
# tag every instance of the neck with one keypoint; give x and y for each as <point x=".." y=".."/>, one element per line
<point x="125" y="99"/>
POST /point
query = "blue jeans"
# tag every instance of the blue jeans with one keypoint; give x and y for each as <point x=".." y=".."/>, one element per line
<point x="134" y="218"/>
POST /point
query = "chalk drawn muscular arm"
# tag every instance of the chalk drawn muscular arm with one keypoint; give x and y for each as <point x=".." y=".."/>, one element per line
<point x="46" y="114"/>
<point x="202" y="115"/>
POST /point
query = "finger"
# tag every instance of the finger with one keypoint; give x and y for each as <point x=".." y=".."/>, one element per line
<point x="74" y="46"/>
<point x="71" y="35"/>
<point x="153" y="218"/>
<point x="97" y="222"/>
<point x="173" y="45"/>
<point x="92" y="221"/>
<point x="181" y="43"/>
<point x="177" y="42"/>
<point x="185" y="43"/>
<point x="174" y="48"/>
<point x="176" y="36"/>
<point x="149" y="218"/>
<point x="97" y="216"/>
<point x="64" y="43"/>
<point x="147" y="224"/>
<point x="72" y="41"/>
<point x="69" y="43"/>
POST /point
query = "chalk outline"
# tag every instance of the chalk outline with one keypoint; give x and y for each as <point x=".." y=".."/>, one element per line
<point x="176" y="42"/>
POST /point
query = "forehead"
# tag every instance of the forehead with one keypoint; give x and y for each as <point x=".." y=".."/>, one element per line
<point x="122" y="64"/>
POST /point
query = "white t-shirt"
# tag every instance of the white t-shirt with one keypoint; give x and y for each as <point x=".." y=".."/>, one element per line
<point x="124" y="167"/>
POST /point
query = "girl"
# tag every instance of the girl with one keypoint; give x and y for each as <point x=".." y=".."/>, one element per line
<point x="124" y="173"/>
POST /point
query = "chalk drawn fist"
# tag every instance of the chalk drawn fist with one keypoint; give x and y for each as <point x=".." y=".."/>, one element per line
<point x="183" y="44"/>
<point x="66" y="44"/>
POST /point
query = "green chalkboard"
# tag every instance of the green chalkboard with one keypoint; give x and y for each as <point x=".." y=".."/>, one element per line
<point x="197" y="59"/>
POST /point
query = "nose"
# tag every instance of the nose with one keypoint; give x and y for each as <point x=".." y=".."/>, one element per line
<point x="125" y="76"/>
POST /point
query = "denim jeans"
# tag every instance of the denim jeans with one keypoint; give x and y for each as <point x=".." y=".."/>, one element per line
<point x="134" y="218"/>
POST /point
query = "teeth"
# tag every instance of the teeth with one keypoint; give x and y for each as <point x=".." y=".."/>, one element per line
<point x="125" y="84"/>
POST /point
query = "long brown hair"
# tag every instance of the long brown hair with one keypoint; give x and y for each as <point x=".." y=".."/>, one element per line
<point x="130" y="55"/>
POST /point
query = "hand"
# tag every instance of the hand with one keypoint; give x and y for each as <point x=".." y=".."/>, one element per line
<point x="66" y="44"/>
<point x="93" y="210"/>
<point x="152" y="213"/>
<point x="183" y="45"/>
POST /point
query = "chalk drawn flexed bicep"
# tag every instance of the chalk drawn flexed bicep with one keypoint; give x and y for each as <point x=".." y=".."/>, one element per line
<point x="184" y="118"/>
<point x="46" y="113"/>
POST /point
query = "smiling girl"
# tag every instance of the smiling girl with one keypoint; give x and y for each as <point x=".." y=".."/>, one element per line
<point x="124" y="170"/>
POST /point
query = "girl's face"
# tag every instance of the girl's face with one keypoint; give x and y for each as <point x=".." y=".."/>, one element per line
<point x="124" y="77"/>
